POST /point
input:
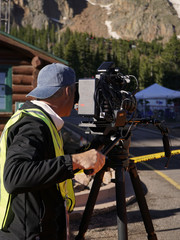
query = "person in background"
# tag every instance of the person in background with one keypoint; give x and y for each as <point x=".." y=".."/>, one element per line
<point x="35" y="174"/>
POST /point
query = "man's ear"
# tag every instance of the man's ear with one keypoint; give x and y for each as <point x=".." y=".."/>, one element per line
<point x="67" y="91"/>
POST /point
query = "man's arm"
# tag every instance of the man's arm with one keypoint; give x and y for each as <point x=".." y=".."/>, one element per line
<point x="31" y="163"/>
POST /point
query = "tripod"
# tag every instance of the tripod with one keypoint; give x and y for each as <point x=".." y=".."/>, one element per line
<point x="119" y="167"/>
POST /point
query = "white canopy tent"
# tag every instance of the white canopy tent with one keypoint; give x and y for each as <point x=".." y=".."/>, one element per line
<point x="155" y="91"/>
<point x="155" y="96"/>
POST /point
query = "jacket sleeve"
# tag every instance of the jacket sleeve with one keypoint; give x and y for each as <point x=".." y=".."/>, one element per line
<point x="31" y="163"/>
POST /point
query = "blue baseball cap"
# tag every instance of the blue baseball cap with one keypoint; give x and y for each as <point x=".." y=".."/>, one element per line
<point x="51" y="78"/>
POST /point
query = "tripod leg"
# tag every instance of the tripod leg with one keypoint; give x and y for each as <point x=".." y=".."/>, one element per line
<point x="142" y="201"/>
<point x="90" y="205"/>
<point x="121" y="203"/>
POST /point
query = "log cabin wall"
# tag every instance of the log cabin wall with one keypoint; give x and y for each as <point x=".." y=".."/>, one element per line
<point x="25" y="61"/>
<point x="22" y="83"/>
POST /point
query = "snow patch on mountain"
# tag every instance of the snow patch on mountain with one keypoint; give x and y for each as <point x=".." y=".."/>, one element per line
<point x="107" y="23"/>
<point x="111" y="33"/>
<point x="176" y="5"/>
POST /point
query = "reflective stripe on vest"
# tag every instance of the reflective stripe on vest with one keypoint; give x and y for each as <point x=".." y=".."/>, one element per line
<point x="66" y="187"/>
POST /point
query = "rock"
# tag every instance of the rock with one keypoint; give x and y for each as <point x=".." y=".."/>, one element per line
<point x="126" y="19"/>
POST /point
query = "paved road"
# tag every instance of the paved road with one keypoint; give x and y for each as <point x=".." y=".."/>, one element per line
<point x="147" y="141"/>
<point x="163" y="186"/>
<point x="162" y="189"/>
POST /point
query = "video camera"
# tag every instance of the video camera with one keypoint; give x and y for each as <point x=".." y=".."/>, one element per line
<point x="107" y="107"/>
<point x="104" y="99"/>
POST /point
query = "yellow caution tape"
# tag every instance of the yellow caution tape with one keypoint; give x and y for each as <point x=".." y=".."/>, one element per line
<point x="153" y="156"/>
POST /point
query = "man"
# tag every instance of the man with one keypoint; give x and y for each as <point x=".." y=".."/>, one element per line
<point x="35" y="171"/>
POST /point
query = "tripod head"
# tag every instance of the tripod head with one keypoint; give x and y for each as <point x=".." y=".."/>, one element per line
<point x="118" y="148"/>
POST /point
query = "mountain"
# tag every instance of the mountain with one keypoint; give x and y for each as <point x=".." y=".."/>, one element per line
<point x="126" y="19"/>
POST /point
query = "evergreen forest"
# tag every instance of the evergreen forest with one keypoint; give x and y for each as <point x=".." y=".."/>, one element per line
<point x="153" y="62"/>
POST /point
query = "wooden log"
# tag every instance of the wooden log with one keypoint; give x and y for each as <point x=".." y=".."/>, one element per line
<point x="36" y="62"/>
<point x="1" y="127"/>
<point x="19" y="98"/>
<point x="22" y="79"/>
<point x="22" y="89"/>
<point x="13" y="61"/>
<point x="35" y="76"/>
<point x="27" y="70"/>
<point x="4" y="118"/>
<point x="9" y="54"/>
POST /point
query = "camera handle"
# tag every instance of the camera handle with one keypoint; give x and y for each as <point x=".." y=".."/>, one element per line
<point x="164" y="132"/>
<point x="119" y="167"/>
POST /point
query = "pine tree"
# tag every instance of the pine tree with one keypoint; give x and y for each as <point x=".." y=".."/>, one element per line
<point x="134" y="61"/>
<point x="145" y="73"/>
<point x="171" y="52"/>
<point x="71" y="55"/>
<point x="171" y="63"/>
<point x="58" y="50"/>
<point x="98" y="59"/>
<point x="85" y="56"/>
<point x="66" y="36"/>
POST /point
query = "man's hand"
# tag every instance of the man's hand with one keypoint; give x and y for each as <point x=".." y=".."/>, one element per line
<point x="91" y="159"/>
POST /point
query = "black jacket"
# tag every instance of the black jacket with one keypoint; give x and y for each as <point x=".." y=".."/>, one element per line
<point x="30" y="174"/>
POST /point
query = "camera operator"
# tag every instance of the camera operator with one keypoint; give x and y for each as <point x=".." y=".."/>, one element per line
<point x="33" y="161"/>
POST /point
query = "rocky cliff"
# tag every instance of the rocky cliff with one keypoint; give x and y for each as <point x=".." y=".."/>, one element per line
<point x="126" y="19"/>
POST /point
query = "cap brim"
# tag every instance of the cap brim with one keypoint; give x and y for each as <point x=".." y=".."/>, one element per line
<point x="43" y="92"/>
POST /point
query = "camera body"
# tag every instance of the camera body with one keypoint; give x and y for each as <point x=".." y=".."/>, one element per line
<point x="104" y="98"/>
<point x="110" y="109"/>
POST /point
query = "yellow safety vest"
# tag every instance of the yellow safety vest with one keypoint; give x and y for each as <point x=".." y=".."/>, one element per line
<point x="66" y="187"/>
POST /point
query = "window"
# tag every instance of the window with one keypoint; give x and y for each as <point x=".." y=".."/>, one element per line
<point x="5" y="89"/>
